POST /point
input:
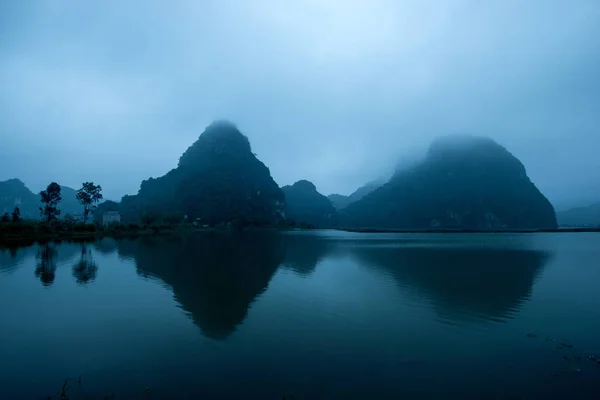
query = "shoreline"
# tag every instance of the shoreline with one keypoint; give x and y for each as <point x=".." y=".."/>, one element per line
<point x="558" y="230"/>
<point x="11" y="240"/>
<point x="24" y="240"/>
<point x="15" y="239"/>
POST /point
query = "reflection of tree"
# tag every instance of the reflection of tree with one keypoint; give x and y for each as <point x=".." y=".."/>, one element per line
<point x="304" y="250"/>
<point x="12" y="257"/>
<point x="214" y="277"/>
<point x="46" y="264"/>
<point x="85" y="269"/>
<point x="475" y="284"/>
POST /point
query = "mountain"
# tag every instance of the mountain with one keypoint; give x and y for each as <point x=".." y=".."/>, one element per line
<point x="305" y="204"/>
<point x="105" y="206"/>
<point x="14" y="193"/>
<point x="69" y="203"/>
<point x="218" y="180"/>
<point x="464" y="182"/>
<point x="580" y="216"/>
<point x="340" y="201"/>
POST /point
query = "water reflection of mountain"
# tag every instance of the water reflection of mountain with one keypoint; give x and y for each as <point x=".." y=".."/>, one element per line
<point x="214" y="277"/>
<point x="105" y="246"/>
<point x="304" y="251"/>
<point x="11" y="258"/>
<point x="464" y="284"/>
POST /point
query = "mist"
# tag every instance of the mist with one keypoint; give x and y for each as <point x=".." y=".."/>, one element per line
<point x="336" y="92"/>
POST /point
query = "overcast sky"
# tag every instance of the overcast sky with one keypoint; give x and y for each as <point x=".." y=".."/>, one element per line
<point x="330" y="91"/>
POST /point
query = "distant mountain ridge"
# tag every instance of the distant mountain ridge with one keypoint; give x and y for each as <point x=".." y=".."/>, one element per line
<point x="588" y="216"/>
<point x="340" y="201"/>
<point x="305" y="204"/>
<point x="13" y="193"/>
<point x="464" y="182"/>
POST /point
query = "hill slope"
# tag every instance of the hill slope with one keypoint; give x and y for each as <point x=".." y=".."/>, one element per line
<point x="305" y="204"/>
<point x="340" y="201"/>
<point x="14" y="193"/>
<point x="218" y="180"/>
<point x="464" y="182"/>
<point x="580" y="216"/>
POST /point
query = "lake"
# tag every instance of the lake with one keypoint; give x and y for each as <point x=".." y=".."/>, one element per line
<point x="305" y="315"/>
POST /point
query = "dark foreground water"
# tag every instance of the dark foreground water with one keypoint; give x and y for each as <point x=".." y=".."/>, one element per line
<point x="322" y="315"/>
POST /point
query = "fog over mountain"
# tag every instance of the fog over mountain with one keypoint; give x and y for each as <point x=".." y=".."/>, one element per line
<point x="335" y="92"/>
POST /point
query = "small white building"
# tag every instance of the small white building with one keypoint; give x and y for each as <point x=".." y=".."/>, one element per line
<point x="111" y="217"/>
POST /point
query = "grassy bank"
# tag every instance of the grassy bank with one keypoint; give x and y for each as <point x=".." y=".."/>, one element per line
<point x="29" y="232"/>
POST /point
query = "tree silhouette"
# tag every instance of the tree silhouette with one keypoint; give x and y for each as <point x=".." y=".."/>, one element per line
<point x="50" y="198"/>
<point x="89" y="195"/>
<point x="16" y="214"/>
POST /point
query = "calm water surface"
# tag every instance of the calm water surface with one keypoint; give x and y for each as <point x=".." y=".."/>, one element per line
<point x="322" y="315"/>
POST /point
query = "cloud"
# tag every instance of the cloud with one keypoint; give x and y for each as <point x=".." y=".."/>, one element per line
<point x="330" y="91"/>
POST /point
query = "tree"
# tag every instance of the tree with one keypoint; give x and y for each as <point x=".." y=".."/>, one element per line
<point x="5" y="218"/>
<point x="149" y="217"/>
<point x="89" y="195"/>
<point x="16" y="214"/>
<point x="50" y="198"/>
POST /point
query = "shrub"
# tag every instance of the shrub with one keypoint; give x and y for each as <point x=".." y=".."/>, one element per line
<point x="45" y="228"/>
<point x="81" y="227"/>
<point x="21" y="228"/>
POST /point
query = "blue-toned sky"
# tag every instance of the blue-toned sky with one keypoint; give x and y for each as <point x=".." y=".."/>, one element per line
<point x="331" y="91"/>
